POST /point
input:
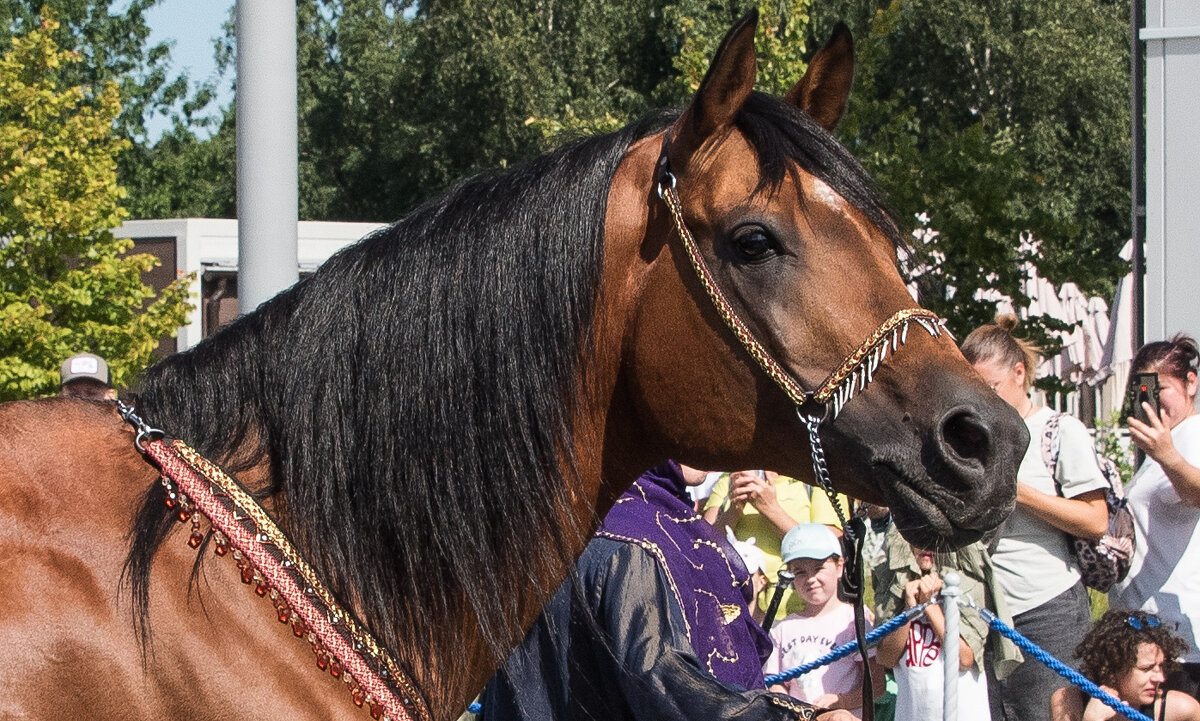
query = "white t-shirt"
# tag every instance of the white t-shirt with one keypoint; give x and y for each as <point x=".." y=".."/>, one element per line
<point x="1033" y="562"/>
<point x="801" y="639"/>
<point x="1164" y="576"/>
<point x="920" y="677"/>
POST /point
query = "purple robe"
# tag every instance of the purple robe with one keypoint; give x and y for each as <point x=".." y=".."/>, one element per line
<point x="706" y="574"/>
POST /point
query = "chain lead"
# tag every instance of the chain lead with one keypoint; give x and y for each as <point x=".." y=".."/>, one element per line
<point x="144" y="430"/>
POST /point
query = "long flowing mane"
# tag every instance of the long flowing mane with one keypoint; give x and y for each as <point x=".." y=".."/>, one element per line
<point x="414" y="396"/>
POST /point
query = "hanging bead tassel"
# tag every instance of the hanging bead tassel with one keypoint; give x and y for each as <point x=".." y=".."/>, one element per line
<point x="221" y="543"/>
<point x="197" y="537"/>
<point x="184" y="510"/>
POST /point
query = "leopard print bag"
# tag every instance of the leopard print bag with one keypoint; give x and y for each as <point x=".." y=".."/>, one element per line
<point x="1105" y="562"/>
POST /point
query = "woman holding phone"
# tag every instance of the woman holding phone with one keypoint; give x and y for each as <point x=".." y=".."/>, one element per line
<point x="1164" y="497"/>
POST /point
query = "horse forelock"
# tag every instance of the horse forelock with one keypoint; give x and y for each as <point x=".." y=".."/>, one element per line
<point x="780" y="132"/>
<point x="414" y="399"/>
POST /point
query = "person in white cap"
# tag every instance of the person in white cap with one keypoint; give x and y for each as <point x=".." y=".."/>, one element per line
<point x="85" y="375"/>
<point x="812" y="552"/>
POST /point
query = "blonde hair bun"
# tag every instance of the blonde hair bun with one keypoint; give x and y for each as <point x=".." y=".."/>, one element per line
<point x="1007" y="321"/>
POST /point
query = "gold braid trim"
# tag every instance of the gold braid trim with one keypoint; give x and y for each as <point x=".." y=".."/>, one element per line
<point x="246" y="504"/>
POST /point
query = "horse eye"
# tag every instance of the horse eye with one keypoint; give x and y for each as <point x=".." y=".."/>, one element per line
<point x="754" y="244"/>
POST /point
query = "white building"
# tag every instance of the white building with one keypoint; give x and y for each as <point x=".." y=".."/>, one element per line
<point x="208" y="247"/>
<point x="1172" y="168"/>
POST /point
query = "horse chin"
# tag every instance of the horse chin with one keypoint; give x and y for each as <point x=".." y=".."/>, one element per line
<point x="929" y="516"/>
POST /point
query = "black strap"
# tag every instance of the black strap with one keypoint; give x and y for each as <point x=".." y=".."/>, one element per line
<point x="851" y="584"/>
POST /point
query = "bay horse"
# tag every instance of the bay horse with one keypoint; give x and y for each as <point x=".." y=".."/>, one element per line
<point x="441" y="413"/>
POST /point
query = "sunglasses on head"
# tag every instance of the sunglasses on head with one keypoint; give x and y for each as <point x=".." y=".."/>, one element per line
<point x="1139" y="623"/>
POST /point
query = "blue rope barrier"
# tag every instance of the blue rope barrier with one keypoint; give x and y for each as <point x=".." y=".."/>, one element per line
<point x="849" y="648"/>
<point x="995" y="623"/>
<point x="1059" y="667"/>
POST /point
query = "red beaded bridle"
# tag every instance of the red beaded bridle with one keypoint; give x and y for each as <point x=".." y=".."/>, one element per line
<point x="268" y="561"/>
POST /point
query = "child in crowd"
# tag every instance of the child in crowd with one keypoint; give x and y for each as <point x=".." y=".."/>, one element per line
<point x="812" y="552"/>
<point x="912" y="576"/>
<point x="765" y="505"/>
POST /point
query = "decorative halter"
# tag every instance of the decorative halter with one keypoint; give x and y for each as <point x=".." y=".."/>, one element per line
<point x="813" y="407"/>
<point x="855" y="372"/>
<point x="269" y="561"/>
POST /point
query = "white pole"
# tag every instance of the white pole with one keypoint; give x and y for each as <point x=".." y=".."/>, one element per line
<point x="950" y="595"/>
<point x="267" y="194"/>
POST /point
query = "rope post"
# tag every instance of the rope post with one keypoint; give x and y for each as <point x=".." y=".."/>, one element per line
<point x="951" y="592"/>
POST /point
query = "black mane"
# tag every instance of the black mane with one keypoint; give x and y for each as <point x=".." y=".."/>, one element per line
<point x="414" y="394"/>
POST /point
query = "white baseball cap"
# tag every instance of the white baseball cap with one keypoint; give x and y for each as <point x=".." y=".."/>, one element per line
<point x="810" y="540"/>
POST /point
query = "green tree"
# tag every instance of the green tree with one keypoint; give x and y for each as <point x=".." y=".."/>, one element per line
<point x="66" y="283"/>
<point x="997" y="121"/>
<point x="402" y="100"/>
<point x="696" y="29"/>
<point x="112" y="42"/>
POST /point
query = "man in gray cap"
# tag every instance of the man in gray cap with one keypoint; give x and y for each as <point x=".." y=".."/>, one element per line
<point x="85" y="375"/>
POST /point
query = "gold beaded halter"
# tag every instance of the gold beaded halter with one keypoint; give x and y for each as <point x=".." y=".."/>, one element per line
<point x="849" y="378"/>
<point x="812" y="407"/>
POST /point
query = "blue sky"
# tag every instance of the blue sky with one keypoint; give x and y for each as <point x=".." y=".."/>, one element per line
<point x="191" y="26"/>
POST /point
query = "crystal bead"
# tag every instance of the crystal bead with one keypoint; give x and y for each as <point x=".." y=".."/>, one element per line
<point x="298" y="628"/>
<point x="376" y="710"/>
<point x="247" y="575"/>
<point x="335" y="669"/>
<point x="195" y="539"/>
<point x="322" y="660"/>
<point x="262" y="588"/>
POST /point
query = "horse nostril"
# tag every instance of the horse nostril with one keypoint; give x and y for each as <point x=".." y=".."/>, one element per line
<point x="966" y="436"/>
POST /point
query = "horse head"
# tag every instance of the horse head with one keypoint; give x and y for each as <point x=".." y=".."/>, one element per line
<point x="792" y="237"/>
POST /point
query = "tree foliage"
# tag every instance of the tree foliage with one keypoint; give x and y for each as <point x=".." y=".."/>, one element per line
<point x="66" y="283"/>
<point x="782" y="42"/>
<point x="997" y="121"/>
<point x="111" y="40"/>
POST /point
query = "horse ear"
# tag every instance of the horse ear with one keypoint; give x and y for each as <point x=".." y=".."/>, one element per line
<point x="825" y="87"/>
<point x="725" y="87"/>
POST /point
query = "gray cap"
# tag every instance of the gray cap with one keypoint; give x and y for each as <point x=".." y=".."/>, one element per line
<point x="83" y="365"/>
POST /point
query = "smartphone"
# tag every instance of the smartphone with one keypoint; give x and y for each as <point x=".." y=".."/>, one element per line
<point x="1143" y="387"/>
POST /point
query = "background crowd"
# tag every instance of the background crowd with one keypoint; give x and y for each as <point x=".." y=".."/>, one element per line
<point x="1028" y="575"/>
